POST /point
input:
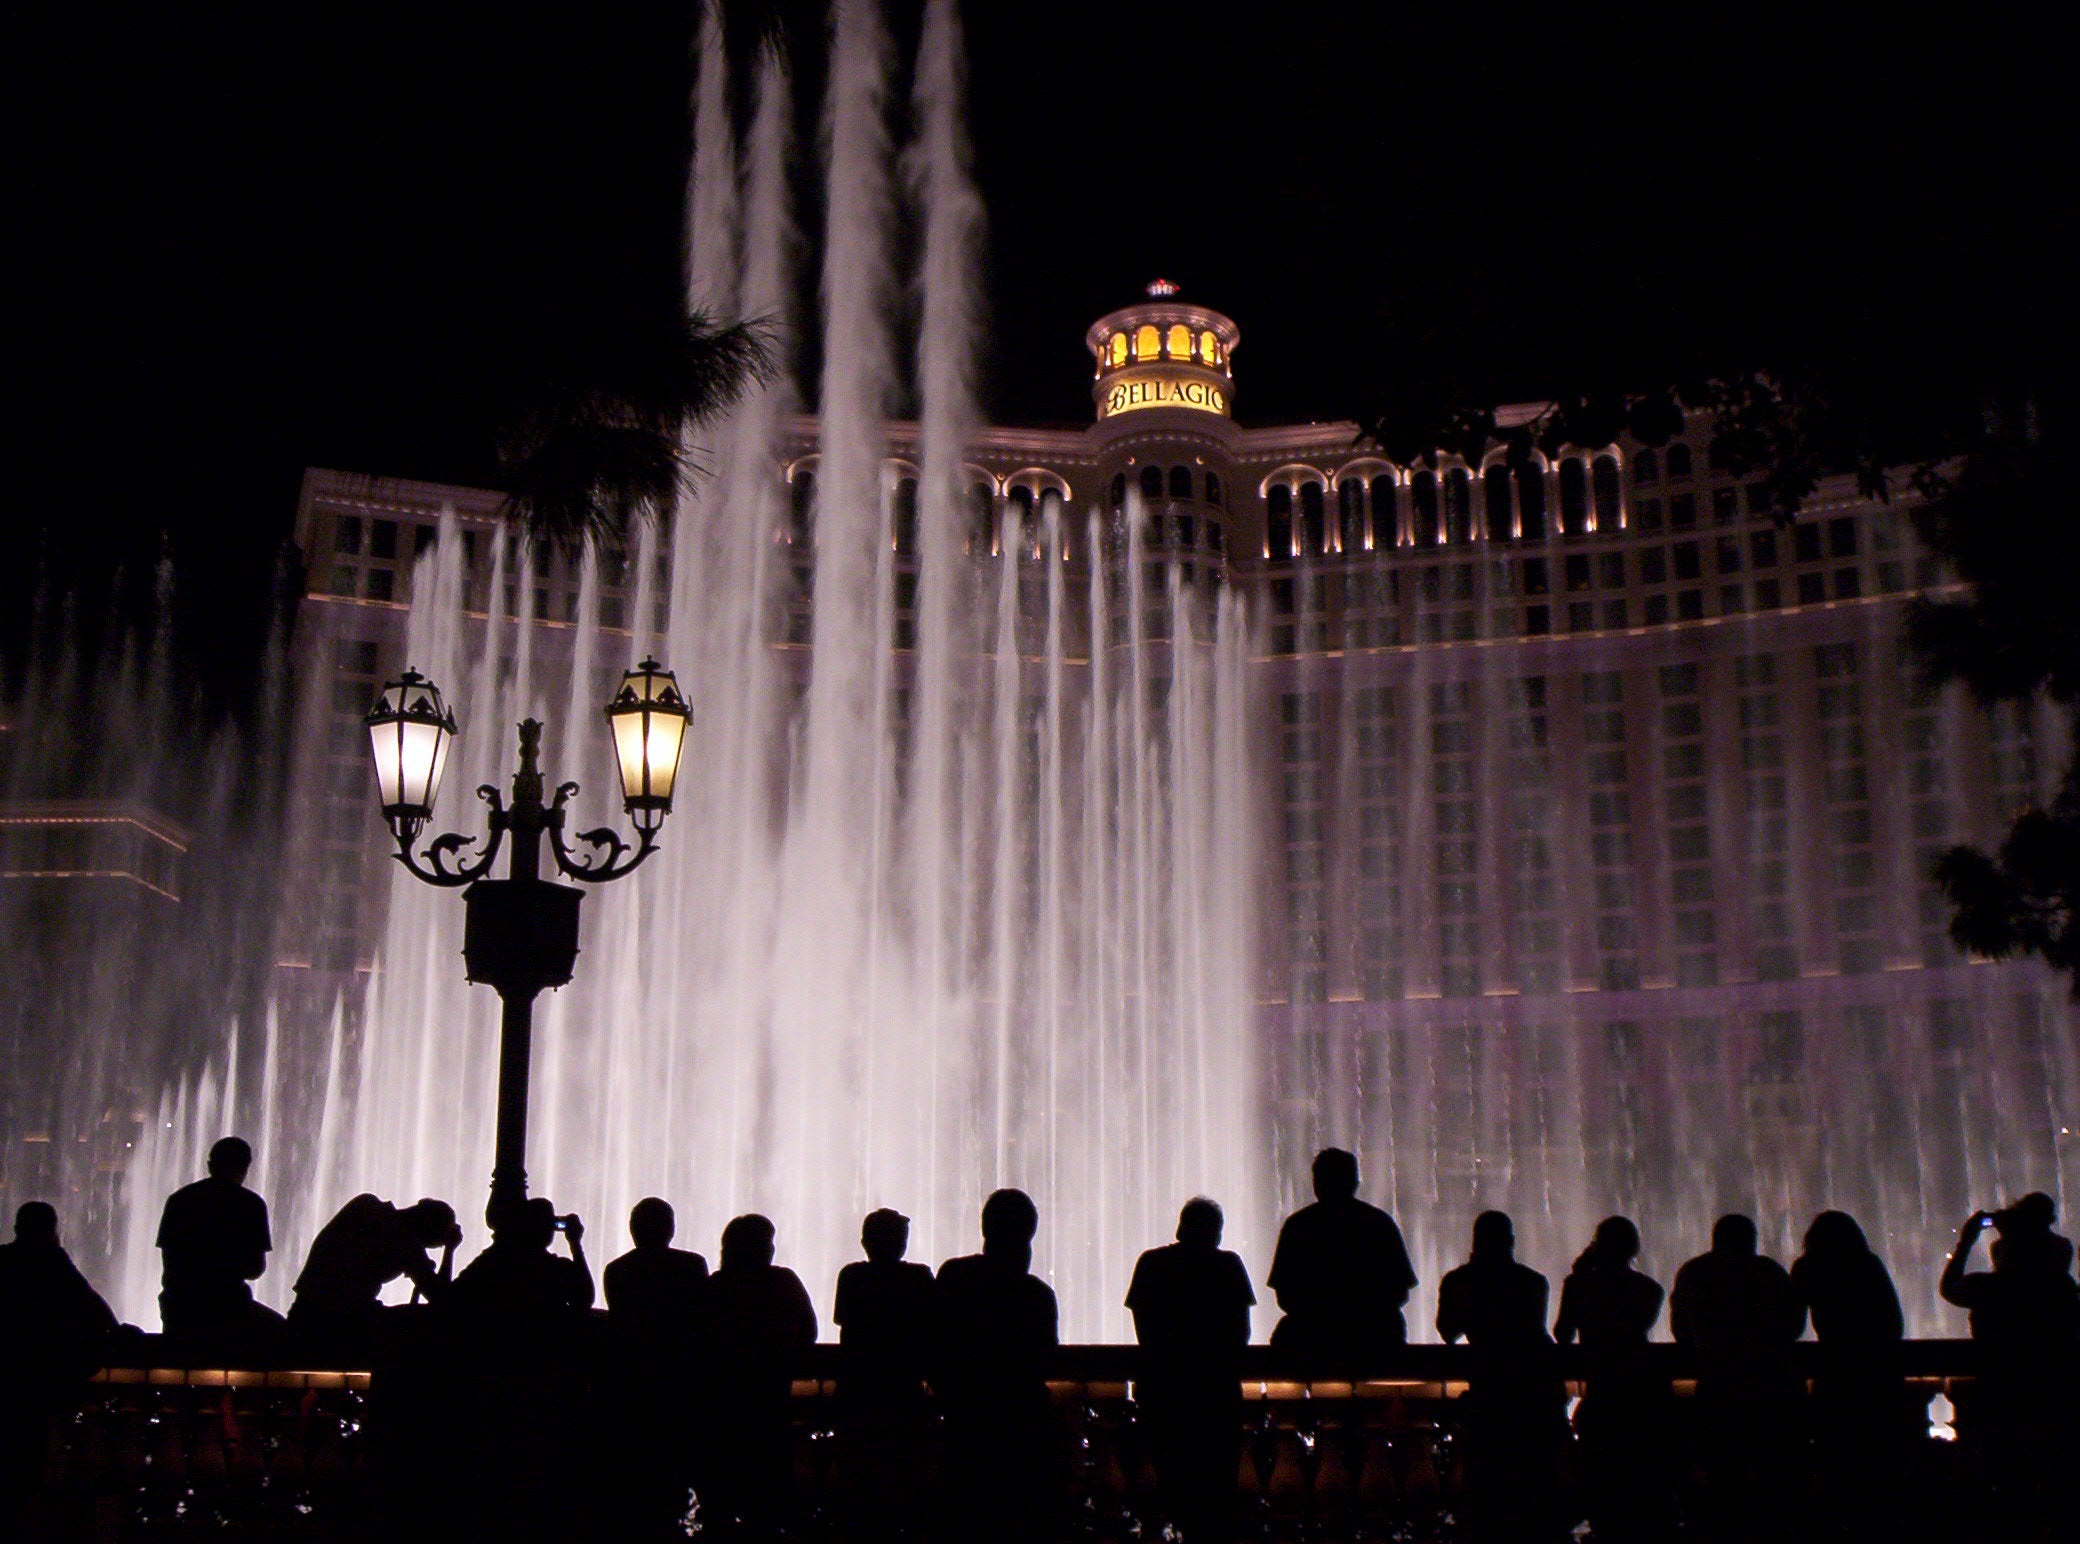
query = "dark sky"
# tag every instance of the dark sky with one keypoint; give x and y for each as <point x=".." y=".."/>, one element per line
<point x="260" y="238"/>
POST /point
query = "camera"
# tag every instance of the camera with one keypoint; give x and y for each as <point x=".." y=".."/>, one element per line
<point x="563" y="1225"/>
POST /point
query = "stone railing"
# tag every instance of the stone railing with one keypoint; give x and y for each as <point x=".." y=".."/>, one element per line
<point x="263" y="1453"/>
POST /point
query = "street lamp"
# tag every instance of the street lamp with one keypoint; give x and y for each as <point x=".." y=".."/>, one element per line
<point x="520" y="933"/>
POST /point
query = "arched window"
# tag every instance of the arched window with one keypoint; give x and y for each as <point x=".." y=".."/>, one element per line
<point x="1051" y="513"/>
<point x="1458" y="505"/>
<point x="802" y="506"/>
<point x="1646" y="467"/>
<point x="1679" y="460"/>
<point x="904" y="515"/>
<point x="1531" y="501"/>
<point x="1278" y="521"/>
<point x="1209" y="348"/>
<point x="1180" y="342"/>
<point x="1422" y="490"/>
<point x="1574" y="497"/>
<point x="1495" y="501"/>
<point x="1119" y="489"/>
<point x="1604" y="480"/>
<point x="1386" y="527"/>
<point x="1314" y="525"/>
<point x="1151" y="482"/>
<point x="1119" y="348"/>
<point x="1350" y="515"/>
<point x="982" y="520"/>
<point x="1180" y="482"/>
<point x="1147" y="341"/>
<point x="1213" y="488"/>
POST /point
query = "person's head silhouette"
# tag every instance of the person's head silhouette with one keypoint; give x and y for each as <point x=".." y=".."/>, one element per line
<point x="652" y="1223"/>
<point x="1734" y="1234"/>
<point x="230" y="1158"/>
<point x="1200" y="1223"/>
<point x="431" y="1224"/>
<point x="1335" y="1174"/>
<point x="1836" y="1236"/>
<point x="885" y="1235"/>
<point x="532" y="1224"/>
<point x="36" y="1224"/>
<point x="1009" y="1221"/>
<point x="747" y="1241"/>
<point x="1494" y="1236"/>
<point x="1616" y="1243"/>
<point x="2026" y="1215"/>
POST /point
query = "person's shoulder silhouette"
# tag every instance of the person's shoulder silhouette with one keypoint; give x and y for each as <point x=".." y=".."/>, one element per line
<point x="1192" y="1296"/>
<point x="757" y="1310"/>
<point x="654" y="1290"/>
<point x="47" y="1307"/>
<point x="1604" y="1302"/>
<point x="991" y="1307"/>
<point x="1733" y="1301"/>
<point x="885" y="1303"/>
<point x="1493" y="1299"/>
<point x="1844" y="1286"/>
<point x="1340" y="1270"/>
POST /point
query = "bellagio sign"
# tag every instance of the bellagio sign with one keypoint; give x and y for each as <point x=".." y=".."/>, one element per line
<point x="1131" y="392"/>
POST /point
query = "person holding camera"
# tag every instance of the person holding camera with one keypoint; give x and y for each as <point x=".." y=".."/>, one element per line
<point x="2025" y="1317"/>
<point x="516" y="1292"/>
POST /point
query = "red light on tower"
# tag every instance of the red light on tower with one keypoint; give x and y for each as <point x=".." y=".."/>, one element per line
<point x="1158" y="288"/>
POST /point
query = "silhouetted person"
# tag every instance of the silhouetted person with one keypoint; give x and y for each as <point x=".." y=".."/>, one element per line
<point x="1516" y="1416"/>
<point x="1191" y="1303"/>
<point x="997" y="1324"/>
<point x="1860" y="1417"/>
<point x="368" y="1244"/>
<point x="519" y="1317"/>
<point x="213" y="1242"/>
<point x="54" y="1331"/>
<point x="759" y="1321"/>
<point x="656" y="1308"/>
<point x="886" y="1312"/>
<point x="1736" y="1310"/>
<point x="2024" y="1412"/>
<point x="1340" y="1273"/>
<point x="1626" y="1414"/>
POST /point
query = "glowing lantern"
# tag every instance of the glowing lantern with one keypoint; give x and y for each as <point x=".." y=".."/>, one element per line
<point x="648" y="717"/>
<point x="409" y="732"/>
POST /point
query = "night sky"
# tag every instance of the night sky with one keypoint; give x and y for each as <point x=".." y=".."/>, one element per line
<point x="262" y="238"/>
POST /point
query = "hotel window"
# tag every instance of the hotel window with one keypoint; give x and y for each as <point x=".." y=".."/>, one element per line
<point x="1180" y="342"/>
<point x="1278" y="521"/>
<point x="1423" y="508"/>
<point x="982" y="520"/>
<point x="801" y="506"/>
<point x="1458" y="505"/>
<point x="346" y="534"/>
<point x="1209" y="348"/>
<point x="1180" y="482"/>
<point x="905" y="516"/>
<point x="1646" y="467"/>
<point x="1314" y="525"/>
<point x="1531" y="501"/>
<point x="1574" y="497"/>
<point x="1147" y="341"/>
<point x="1119" y="348"/>
<point x="1605" y="478"/>
<point x="1679" y="460"/>
<point x="1350" y="514"/>
<point x="1682" y="512"/>
<point x="382" y="538"/>
<point x="1213" y="488"/>
<point x="1386" y="526"/>
<point x="1119" y="489"/>
<point x="1495" y="498"/>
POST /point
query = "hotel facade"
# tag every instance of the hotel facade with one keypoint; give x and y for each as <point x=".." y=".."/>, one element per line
<point x="1600" y="761"/>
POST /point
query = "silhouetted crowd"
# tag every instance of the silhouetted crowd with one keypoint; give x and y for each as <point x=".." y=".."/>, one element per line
<point x="944" y="1426"/>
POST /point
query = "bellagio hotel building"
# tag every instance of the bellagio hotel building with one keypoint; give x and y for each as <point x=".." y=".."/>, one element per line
<point x="1602" y="744"/>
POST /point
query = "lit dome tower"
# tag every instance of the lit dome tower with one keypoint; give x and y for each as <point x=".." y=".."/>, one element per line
<point x="1162" y="356"/>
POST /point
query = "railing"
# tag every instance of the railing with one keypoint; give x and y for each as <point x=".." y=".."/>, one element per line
<point x="258" y="1452"/>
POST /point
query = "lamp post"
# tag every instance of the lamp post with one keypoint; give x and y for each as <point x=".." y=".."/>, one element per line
<point x="520" y="933"/>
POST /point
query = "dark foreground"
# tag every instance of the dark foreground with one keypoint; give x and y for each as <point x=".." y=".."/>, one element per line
<point x="153" y="1452"/>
